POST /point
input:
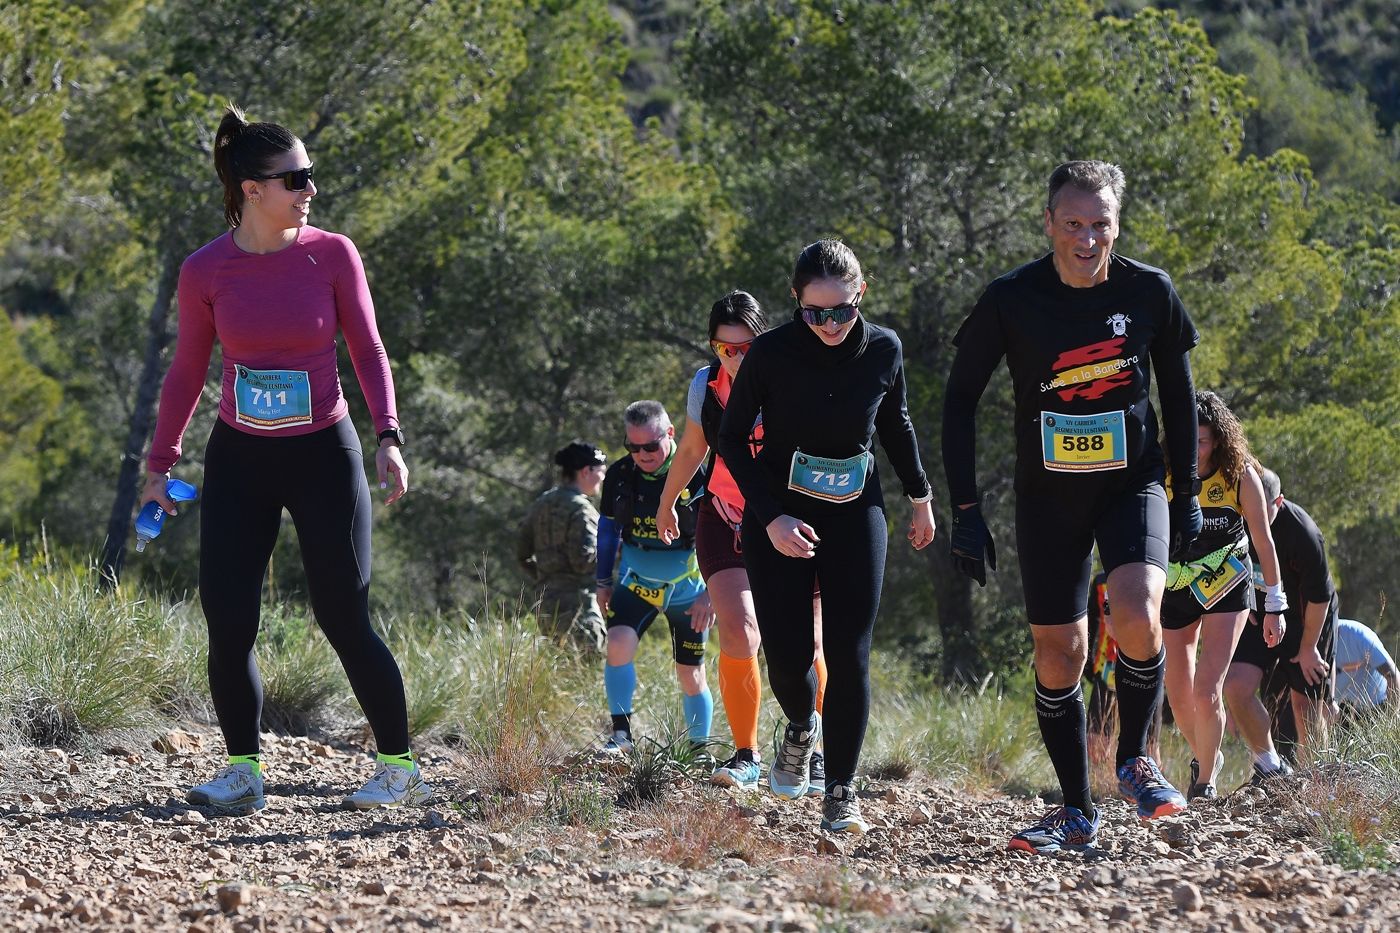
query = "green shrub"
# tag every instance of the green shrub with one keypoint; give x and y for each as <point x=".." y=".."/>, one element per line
<point x="74" y="662"/>
<point x="301" y="675"/>
<point x="1352" y="791"/>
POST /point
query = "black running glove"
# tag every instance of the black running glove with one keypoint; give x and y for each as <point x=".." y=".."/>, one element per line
<point x="970" y="541"/>
<point x="1185" y="514"/>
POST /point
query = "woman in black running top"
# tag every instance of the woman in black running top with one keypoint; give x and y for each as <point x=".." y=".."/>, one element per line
<point x="825" y="383"/>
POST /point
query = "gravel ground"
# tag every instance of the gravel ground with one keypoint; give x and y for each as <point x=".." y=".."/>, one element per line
<point x="103" y="839"/>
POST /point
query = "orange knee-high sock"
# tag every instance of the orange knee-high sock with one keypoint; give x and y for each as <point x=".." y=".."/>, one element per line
<point x="740" y="685"/>
<point x="819" y="662"/>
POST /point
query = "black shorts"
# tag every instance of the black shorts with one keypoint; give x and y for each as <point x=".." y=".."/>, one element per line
<point x="1280" y="673"/>
<point x="629" y="609"/>
<point x="1055" y="537"/>
<point x="1180" y="608"/>
<point x="717" y="545"/>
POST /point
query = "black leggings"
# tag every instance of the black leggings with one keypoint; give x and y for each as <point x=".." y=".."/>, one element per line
<point x="851" y="564"/>
<point x="320" y="479"/>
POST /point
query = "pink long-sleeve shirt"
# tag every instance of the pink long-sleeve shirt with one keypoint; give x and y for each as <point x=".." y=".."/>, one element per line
<point x="277" y="311"/>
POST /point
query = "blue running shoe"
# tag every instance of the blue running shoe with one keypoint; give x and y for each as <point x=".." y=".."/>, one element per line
<point x="740" y="771"/>
<point x="816" y="776"/>
<point x="790" y="775"/>
<point x="1061" y="828"/>
<point x="1140" y="781"/>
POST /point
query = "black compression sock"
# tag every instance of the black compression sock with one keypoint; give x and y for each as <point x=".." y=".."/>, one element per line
<point x="622" y="722"/>
<point x="1139" y="699"/>
<point x="1061" y="716"/>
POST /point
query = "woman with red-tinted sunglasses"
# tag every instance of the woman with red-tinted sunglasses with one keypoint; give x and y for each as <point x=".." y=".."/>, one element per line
<point x="735" y="320"/>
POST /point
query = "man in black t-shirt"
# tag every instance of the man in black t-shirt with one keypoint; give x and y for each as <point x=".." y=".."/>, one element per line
<point x="1083" y="332"/>
<point x="1301" y="663"/>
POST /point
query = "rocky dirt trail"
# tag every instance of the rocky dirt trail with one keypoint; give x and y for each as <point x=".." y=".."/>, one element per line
<point x="103" y="840"/>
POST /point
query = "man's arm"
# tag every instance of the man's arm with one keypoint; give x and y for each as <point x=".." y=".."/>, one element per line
<point x="1308" y="658"/>
<point x="1392" y="685"/>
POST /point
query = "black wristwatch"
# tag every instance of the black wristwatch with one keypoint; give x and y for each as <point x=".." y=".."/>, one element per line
<point x="394" y="434"/>
<point x="1187" y="489"/>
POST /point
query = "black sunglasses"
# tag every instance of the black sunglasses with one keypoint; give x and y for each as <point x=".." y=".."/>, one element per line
<point x="841" y="314"/>
<point x="295" y="180"/>
<point x="650" y="447"/>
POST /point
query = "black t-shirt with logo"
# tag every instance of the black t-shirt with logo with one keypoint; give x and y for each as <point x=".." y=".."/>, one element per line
<point x="1081" y="362"/>
<point x="1302" y="562"/>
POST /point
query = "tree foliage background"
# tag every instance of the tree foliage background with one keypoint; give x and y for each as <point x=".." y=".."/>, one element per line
<point x="549" y="194"/>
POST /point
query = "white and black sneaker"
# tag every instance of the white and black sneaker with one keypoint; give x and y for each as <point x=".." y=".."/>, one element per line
<point x="841" y="811"/>
<point x="237" y="790"/>
<point x="791" y="774"/>
<point x="616" y="745"/>
<point x="391" y="786"/>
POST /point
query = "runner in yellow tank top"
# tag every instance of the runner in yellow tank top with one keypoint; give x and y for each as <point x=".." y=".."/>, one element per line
<point x="1209" y="596"/>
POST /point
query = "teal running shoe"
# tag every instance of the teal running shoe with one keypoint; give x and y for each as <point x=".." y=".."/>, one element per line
<point x="741" y="771"/>
<point x="791" y="773"/>
<point x="1062" y="828"/>
<point x="1140" y="781"/>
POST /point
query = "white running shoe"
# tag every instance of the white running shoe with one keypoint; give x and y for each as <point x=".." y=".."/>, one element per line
<point x="617" y="745"/>
<point x="391" y="786"/>
<point x="236" y="790"/>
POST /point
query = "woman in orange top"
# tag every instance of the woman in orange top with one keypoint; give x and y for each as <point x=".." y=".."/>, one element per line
<point x="735" y="320"/>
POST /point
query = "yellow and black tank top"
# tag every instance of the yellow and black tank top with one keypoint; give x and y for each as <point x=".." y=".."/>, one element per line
<point x="1222" y="518"/>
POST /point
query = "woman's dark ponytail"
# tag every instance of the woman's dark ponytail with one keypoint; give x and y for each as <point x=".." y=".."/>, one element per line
<point x="244" y="150"/>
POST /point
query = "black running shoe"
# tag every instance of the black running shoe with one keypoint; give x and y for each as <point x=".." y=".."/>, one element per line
<point x="1201" y="792"/>
<point x="1264" y="775"/>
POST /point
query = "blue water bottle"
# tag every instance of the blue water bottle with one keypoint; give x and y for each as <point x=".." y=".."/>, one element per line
<point x="152" y="517"/>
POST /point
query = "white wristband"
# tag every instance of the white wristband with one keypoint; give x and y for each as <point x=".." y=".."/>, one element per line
<point x="1274" y="600"/>
<point x="926" y="497"/>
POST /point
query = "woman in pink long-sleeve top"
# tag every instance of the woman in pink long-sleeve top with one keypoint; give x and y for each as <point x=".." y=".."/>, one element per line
<point x="274" y="291"/>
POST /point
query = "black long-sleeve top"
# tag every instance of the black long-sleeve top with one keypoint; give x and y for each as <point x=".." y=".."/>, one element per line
<point x="1075" y="352"/>
<point x="827" y="401"/>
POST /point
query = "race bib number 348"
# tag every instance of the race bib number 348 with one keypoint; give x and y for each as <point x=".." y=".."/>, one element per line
<point x="1084" y="443"/>
<point x="272" y="399"/>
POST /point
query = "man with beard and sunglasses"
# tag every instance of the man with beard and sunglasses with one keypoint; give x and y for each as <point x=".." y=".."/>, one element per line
<point x="641" y="575"/>
<point x="274" y="291"/>
<point x="1083" y="331"/>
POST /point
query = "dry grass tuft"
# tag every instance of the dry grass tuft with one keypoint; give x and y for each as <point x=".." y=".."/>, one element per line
<point x="697" y="832"/>
<point x="839" y="890"/>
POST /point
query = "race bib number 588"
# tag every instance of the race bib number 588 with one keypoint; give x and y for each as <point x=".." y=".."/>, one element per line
<point x="1084" y="443"/>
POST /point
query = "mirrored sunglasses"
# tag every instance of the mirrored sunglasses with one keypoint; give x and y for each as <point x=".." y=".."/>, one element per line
<point x="841" y="314"/>
<point x="730" y="350"/>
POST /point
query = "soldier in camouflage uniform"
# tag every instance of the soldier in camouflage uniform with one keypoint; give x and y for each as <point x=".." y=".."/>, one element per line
<point x="558" y="548"/>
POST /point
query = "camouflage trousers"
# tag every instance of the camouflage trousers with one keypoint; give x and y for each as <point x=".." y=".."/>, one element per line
<point x="571" y="615"/>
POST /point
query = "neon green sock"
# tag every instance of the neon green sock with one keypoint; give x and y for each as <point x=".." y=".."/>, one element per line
<point x="403" y="761"/>
<point x="254" y="760"/>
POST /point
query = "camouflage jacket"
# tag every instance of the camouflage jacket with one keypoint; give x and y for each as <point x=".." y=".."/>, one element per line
<point x="558" y="541"/>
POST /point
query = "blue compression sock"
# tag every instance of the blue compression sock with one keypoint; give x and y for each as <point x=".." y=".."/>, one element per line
<point x="620" y="683"/>
<point x="699" y="711"/>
